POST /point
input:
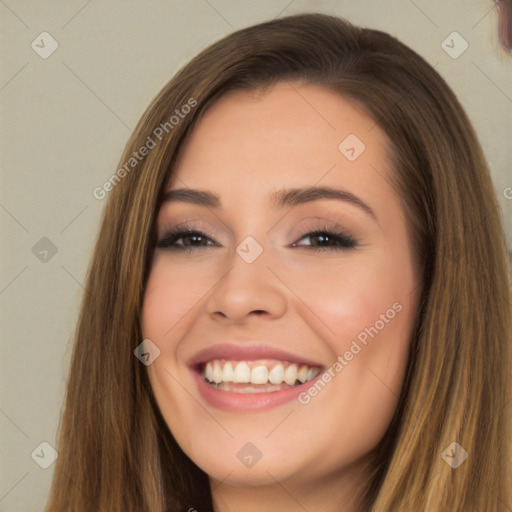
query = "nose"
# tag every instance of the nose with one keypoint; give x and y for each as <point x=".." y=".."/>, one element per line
<point x="247" y="290"/>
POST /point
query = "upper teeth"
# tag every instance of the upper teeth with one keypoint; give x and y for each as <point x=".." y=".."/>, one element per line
<point x="258" y="372"/>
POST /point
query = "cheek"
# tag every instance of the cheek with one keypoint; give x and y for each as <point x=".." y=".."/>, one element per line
<point x="168" y="303"/>
<point x="167" y="314"/>
<point x="352" y="296"/>
<point x="370" y="318"/>
<point x="171" y="294"/>
<point x="367" y="307"/>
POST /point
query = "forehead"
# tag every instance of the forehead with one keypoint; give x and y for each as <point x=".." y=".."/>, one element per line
<point x="291" y="134"/>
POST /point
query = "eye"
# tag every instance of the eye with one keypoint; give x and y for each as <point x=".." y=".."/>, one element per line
<point x="190" y="240"/>
<point x="328" y="240"/>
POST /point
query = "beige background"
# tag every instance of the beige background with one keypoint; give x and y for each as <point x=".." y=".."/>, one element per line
<point x="65" y="120"/>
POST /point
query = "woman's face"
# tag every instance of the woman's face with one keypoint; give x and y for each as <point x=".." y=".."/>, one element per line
<point x="294" y="292"/>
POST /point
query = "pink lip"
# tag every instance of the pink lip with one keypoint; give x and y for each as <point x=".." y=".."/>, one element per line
<point x="246" y="352"/>
<point x="230" y="401"/>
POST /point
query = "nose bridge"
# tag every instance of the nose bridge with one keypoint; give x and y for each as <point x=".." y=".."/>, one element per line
<point x="248" y="286"/>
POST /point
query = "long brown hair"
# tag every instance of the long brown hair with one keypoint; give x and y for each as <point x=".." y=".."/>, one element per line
<point x="116" y="452"/>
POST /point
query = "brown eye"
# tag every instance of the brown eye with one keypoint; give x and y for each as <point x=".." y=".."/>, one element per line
<point x="189" y="241"/>
<point x="328" y="240"/>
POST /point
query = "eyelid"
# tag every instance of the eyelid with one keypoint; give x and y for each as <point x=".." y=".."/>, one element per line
<point x="297" y="230"/>
<point x="300" y="229"/>
<point x="189" y="225"/>
<point x="321" y="223"/>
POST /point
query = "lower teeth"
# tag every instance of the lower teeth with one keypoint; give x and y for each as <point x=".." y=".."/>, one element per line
<point x="254" y="388"/>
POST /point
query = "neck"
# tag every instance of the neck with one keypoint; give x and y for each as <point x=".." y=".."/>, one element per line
<point x="337" y="492"/>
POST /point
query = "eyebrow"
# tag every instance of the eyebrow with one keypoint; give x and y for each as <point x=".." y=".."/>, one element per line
<point x="278" y="199"/>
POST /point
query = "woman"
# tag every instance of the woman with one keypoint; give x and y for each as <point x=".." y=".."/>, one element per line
<point x="298" y="297"/>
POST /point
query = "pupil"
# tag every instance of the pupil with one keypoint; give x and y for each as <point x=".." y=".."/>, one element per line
<point x="191" y="238"/>
<point x="322" y="238"/>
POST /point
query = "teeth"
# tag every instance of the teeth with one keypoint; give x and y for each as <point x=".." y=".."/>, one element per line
<point x="228" y="374"/>
<point x="276" y="375"/>
<point x="290" y="374"/>
<point x="242" y="373"/>
<point x="264" y="372"/>
<point x="257" y="388"/>
<point x="302" y="374"/>
<point x="217" y="372"/>
<point x="312" y="373"/>
<point x="208" y="372"/>
<point x="259" y="375"/>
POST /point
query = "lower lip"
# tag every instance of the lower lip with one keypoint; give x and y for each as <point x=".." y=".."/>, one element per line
<point x="231" y="401"/>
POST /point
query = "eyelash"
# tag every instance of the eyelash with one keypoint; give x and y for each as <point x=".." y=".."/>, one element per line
<point x="346" y="242"/>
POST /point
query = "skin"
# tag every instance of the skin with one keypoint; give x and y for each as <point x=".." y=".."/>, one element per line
<point x="312" y="304"/>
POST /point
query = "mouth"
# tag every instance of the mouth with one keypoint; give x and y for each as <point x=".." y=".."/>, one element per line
<point x="251" y="376"/>
<point x="256" y="376"/>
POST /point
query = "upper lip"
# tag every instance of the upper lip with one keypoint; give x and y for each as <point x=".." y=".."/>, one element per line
<point x="246" y="352"/>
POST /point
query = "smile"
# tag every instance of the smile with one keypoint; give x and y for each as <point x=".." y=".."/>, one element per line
<point x="250" y="376"/>
<point x="256" y="376"/>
